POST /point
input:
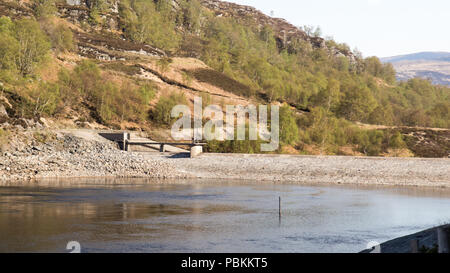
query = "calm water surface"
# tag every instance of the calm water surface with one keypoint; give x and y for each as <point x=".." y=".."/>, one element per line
<point x="211" y="216"/>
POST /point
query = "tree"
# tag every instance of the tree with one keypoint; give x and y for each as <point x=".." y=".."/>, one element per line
<point x="328" y="97"/>
<point x="440" y="115"/>
<point x="33" y="45"/>
<point x="312" y="30"/>
<point x="46" y="99"/>
<point x="191" y="15"/>
<point x="396" y="141"/>
<point x="288" y="126"/>
<point x="388" y="73"/>
<point x="45" y="8"/>
<point x="23" y="45"/>
<point x="381" y="115"/>
<point x="9" y="46"/>
<point x="61" y="37"/>
<point x="357" y="104"/>
<point x="147" y="22"/>
<point x="161" y="114"/>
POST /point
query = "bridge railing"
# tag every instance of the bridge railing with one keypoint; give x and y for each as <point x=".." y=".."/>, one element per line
<point x="195" y="148"/>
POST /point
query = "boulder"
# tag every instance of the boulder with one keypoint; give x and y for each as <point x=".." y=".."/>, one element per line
<point x="3" y="112"/>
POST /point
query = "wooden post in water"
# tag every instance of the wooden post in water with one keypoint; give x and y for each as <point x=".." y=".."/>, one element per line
<point x="279" y="206"/>
<point x="443" y="234"/>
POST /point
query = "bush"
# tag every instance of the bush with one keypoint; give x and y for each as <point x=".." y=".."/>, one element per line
<point x="61" y="37"/>
<point x="396" y="141"/>
<point x="44" y="136"/>
<point x="161" y="114"/>
<point x="46" y="99"/>
<point x="109" y="103"/>
<point x="95" y="8"/>
<point x="146" y="93"/>
<point x="288" y="126"/>
<point x="45" y="8"/>
<point x="151" y="22"/>
<point x="234" y="146"/>
<point x="370" y="142"/>
<point x="23" y="45"/>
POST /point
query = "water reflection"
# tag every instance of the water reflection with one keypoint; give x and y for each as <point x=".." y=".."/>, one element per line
<point x="208" y="216"/>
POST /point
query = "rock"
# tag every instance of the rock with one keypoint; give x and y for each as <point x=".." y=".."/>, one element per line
<point x="73" y="2"/>
<point x="3" y="112"/>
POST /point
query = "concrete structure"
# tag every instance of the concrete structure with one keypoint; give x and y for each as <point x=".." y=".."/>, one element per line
<point x="73" y="2"/>
<point x="196" y="151"/>
<point x="141" y="144"/>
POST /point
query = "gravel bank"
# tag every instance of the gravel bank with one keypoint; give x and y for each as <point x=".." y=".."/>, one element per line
<point x="65" y="155"/>
<point x="320" y="169"/>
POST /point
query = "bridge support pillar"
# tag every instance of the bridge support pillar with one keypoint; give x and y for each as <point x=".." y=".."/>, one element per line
<point x="126" y="138"/>
<point x="196" y="150"/>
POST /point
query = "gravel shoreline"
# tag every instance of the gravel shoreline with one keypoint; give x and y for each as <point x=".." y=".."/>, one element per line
<point x="320" y="169"/>
<point x="69" y="156"/>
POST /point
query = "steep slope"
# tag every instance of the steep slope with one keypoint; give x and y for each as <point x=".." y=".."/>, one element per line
<point x="286" y="34"/>
<point x="130" y="62"/>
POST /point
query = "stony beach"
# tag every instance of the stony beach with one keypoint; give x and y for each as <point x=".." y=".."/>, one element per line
<point x="69" y="156"/>
<point x="320" y="169"/>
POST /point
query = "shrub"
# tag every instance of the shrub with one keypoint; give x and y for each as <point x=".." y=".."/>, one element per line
<point x="44" y="136"/>
<point x="370" y="142"/>
<point x="396" y="141"/>
<point x="151" y="22"/>
<point x="235" y="146"/>
<point x="46" y="98"/>
<point x="288" y="126"/>
<point x="161" y="114"/>
<point x="23" y="45"/>
<point x="33" y="45"/>
<point x="9" y="46"/>
<point x="146" y="93"/>
<point x="45" y="8"/>
<point x="109" y="103"/>
<point x="61" y="37"/>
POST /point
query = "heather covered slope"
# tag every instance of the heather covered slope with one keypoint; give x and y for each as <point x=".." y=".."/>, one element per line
<point x="124" y="64"/>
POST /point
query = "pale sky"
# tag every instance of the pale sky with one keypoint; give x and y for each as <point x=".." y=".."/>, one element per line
<point x="375" y="27"/>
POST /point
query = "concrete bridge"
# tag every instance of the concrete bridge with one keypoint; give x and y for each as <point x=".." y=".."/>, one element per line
<point x="127" y="141"/>
<point x="134" y="142"/>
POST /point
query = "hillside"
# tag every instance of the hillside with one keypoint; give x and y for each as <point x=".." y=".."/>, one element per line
<point x="125" y="64"/>
<point x="428" y="65"/>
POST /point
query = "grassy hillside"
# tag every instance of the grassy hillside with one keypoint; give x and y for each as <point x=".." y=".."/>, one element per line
<point x="123" y="64"/>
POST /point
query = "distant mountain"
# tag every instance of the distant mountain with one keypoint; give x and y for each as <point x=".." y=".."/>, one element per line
<point x="431" y="65"/>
